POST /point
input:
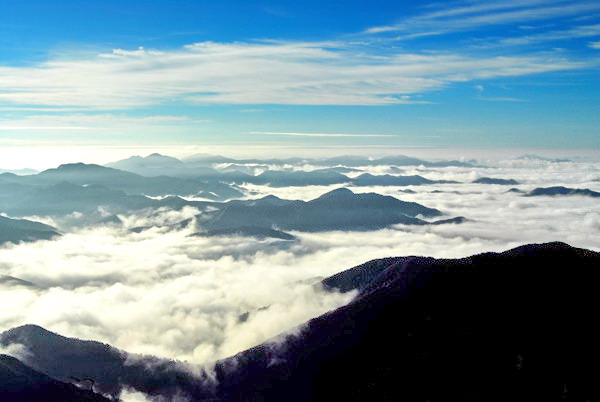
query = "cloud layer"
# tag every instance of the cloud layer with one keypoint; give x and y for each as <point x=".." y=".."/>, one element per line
<point x="163" y="292"/>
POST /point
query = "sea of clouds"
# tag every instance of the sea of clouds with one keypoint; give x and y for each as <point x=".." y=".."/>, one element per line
<point x="197" y="299"/>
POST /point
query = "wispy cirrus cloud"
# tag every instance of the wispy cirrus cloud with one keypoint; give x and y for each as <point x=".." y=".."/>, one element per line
<point x="81" y="121"/>
<point x="583" y="31"/>
<point x="320" y="134"/>
<point x="469" y="15"/>
<point x="290" y="73"/>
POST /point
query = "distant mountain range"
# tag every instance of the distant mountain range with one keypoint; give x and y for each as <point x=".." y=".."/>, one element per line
<point x="22" y="230"/>
<point x="533" y="157"/>
<point x="131" y="183"/>
<point x="367" y="179"/>
<point x="339" y="209"/>
<point x="86" y="187"/>
<point x="19" y="171"/>
<point x="156" y="164"/>
<point x="491" y="180"/>
<point x="65" y="198"/>
<point x="516" y="325"/>
<point x="155" y="161"/>
<point x="558" y="190"/>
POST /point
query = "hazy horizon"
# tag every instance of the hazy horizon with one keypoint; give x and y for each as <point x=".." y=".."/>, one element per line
<point x="41" y="158"/>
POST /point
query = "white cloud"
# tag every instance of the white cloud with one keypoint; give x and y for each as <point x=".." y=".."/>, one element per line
<point x="576" y="32"/>
<point x="166" y="293"/>
<point x="466" y="15"/>
<point x="594" y="45"/>
<point x="320" y="134"/>
<point x="82" y="127"/>
<point x="253" y="73"/>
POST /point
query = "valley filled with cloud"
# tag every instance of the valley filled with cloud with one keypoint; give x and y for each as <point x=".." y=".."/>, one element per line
<point x="146" y="283"/>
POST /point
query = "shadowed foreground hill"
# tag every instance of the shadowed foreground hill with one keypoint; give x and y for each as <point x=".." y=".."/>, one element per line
<point x="518" y="325"/>
<point x="512" y="326"/>
<point x="23" y="384"/>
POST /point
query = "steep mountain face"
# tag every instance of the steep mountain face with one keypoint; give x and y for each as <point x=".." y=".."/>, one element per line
<point x="18" y="230"/>
<point x="19" y="382"/>
<point x="339" y="209"/>
<point x="67" y="359"/>
<point x="517" y="325"/>
<point x="511" y="326"/>
<point x="559" y="190"/>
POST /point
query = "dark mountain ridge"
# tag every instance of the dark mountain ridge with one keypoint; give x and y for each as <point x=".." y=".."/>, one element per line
<point x="516" y="325"/>
<point x="21" y="383"/>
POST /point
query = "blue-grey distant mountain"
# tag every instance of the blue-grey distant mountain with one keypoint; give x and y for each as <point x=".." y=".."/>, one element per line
<point x="210" y="160"/>
<point x="508" y="326"/>
<point x="456" y="220"/>
<point x="338" y="169"/>
<point x="559" y="190"/>
<point x="248" y="231"/>
<point x="22" y="230"/>
<point x="20" y="383"/>
<point x="326" y="177"/>
<point x="339" y="209"/>
<point x="492" y="180"/>
<point x="19" y="171"/>
<point x="156" y="165"/>
<point x="396" y="160"/>
<point x="131" y="183"/>
<point x="276" y="178"/>
<point x="65" y="198"/>
<point x="533" y="157"/>
<point x="151" y="165"/>
<point x="345" y="161"/>
<point x="11" y="281"/>
<point x="206" y="159"/>
<point x="368" y="179"/>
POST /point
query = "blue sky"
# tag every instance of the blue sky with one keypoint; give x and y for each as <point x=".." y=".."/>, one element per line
<point x="511" y="73"/>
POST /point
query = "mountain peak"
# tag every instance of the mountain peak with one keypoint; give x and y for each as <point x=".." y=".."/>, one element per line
<point x="79" y="166"/>
<point x="337" y="193"/>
